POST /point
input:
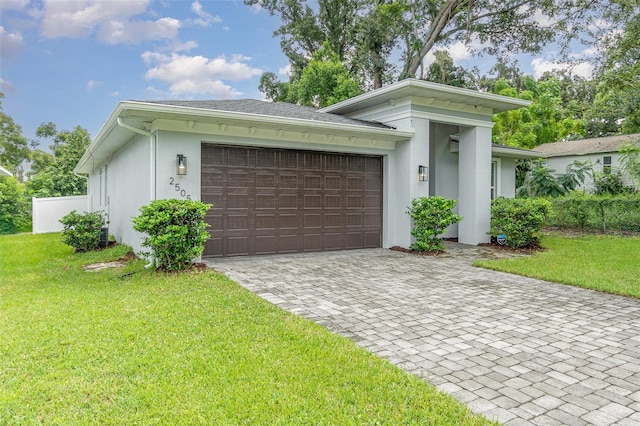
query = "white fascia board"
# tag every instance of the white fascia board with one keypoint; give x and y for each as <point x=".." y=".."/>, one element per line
<point x="501" y="152"/>
<point x="193" y="114"/>
<point x="516" y="153"/>
<point x="103" y="133"/>
<point x="422" y="88"/>
<point x="152" y="111"/>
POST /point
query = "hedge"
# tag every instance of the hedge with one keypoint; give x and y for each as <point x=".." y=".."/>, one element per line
<point x="596" y="212"/>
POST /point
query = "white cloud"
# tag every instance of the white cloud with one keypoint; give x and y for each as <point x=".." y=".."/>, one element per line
<point x="5" y="86"/>
<point x="114" y="32"/>
<point x="198" y="74"/>
<point x="14" y="4"/>
<point x="111" y="21"/>
<point x="204" y="18"/>
<point x="81" y="18"/>
<point x="92" y="84"/>
<point x="10" y="44"/>
<point x="115" y="93"/>
<point x="285" y="71"/>
<point x="459" y="51"/>
<point x="581" y="69"/>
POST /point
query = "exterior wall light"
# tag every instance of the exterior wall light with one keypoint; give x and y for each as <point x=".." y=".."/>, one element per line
<point x="181" y="163"/>
<point x="423" y="173"/>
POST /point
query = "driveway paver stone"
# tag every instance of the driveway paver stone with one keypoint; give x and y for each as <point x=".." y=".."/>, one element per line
<point x="516" y="349"/>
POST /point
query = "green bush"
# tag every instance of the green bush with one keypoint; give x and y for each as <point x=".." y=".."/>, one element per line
<point x="82" y="231"/>
<point x="621" y="212"/>
<point x="176" y="231"/>
<point x="520" y="219"/>
<point x="15" y="207"/>
<point x="610" y="184"/>
<point x="431" y="217"/>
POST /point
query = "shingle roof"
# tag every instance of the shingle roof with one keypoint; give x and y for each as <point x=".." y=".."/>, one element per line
<point x="275" y="109"/>
<point x="586" y="146"/>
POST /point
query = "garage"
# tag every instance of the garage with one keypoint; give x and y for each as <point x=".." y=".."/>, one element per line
<point x="268" y="201"/>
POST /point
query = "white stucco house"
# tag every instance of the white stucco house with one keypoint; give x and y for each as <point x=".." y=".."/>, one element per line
<point x="602" y="153"/>
<point x="286" y="178"/>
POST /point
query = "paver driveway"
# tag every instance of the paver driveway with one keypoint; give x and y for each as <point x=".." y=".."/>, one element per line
<point x="519" y="350"/>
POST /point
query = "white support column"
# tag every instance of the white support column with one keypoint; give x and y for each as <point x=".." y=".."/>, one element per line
<point x="474" y="184"/>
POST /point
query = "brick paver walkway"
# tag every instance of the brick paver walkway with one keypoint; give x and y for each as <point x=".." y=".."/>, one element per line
<point x="515" y="349"/>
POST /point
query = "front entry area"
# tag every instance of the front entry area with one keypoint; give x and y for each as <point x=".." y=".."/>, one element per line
<point x="269" y="201"/>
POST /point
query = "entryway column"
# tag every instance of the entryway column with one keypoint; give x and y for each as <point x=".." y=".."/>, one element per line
<point x="474" y="166"/>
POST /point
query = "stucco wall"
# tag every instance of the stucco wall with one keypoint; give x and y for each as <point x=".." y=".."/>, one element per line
<point x="506" y="177"/>
<point x="125" y="189"/>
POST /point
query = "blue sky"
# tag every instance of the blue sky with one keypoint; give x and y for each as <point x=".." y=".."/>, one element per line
<point x="71" y="61"/>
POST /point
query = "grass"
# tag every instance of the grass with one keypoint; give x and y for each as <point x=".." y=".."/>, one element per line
<point x="82" y="347"/>
<point x="599" y="262"/>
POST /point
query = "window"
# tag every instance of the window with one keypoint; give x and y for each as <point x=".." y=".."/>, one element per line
<point x="494" y="179"/>
<point x="606" y="165"/>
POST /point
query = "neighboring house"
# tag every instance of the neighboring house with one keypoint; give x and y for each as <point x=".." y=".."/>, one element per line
<point x="286" y="178"/>
<point x="602" y="153"/>
<point x="5" y="172"/>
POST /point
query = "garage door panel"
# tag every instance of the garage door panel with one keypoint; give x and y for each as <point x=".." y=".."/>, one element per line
<point x="354" y="219"/>
<point x="332" y="241"/>
<point x="238" y="157"/>
<point x="312" y="201"/>
<point x="266" y="181"/>
<point x="333" y="183"/>
<point x="266" y="222"/>
<point x="265" y="202"/>
<point x="237" y="201"/>
<point x="312" y="221"/>
<point x="372" y="239"/>
<point x="288" y="202"/>
<point x="332" y="220"/>
<point x="312" y="242"/>
<point x="354" y="240"/>
<point x="287" y="221"/>
<point x="288" y="181"/>
<point x="238" y="179"/>
<point x="266" y="244"/>
<point x="284" y="201"/>
<point x="333" y="202"/>
<point x="237" y="246"/>
<point x="238" y="222"/>
<point x="266" y="159"/>
<point x="355" y="201"/>
<point x="288" y="244"/>
<point x="355" y="183"/>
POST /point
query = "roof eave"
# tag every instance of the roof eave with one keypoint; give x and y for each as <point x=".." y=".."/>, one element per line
<point x="498" y="103"/>
<point x="517" y="153"/>
<point x="128" y="108"/>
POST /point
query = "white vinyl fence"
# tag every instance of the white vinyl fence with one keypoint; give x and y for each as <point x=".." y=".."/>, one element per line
<point x="47" y="212"/>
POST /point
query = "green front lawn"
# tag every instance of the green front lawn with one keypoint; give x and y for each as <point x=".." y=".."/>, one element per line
<point x="152" y="348"/>
<point x="600" y="262"/>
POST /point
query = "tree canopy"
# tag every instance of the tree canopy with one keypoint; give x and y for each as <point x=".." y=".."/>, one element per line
<point x="14" y="148"/>
<point x="384" y="40"/>
<point x="52" y="175"/>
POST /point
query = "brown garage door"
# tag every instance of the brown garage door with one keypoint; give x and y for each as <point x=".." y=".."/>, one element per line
<point x="284" y="201"/>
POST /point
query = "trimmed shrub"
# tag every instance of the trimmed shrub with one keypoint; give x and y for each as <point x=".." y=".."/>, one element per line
<point x="621" y="212"/>
<point x="82" y="231"/>
<point x="176" y="231"/>
<point x="431" y="217"/>
<point x="520" y="219"/>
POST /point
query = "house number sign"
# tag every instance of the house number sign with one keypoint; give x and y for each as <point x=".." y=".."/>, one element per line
<point x="179" y="189"/>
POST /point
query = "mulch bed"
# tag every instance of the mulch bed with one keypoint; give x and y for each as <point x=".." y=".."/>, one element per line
<point x="417" y="252"/>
